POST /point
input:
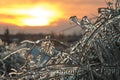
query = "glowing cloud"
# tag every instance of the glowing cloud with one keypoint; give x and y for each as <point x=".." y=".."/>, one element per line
<point x="37" y="15"/>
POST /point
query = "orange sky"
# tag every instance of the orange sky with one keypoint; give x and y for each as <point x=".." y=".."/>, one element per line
<point x="47" y="15"/>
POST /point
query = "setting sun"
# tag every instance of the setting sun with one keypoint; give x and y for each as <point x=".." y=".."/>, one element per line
<point x="40" y="15"/>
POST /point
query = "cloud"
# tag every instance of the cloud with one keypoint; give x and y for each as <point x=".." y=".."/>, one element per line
<point x="68" y="6"/>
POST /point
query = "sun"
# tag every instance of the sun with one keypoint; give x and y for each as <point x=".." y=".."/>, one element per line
<point x="39" y="15"/>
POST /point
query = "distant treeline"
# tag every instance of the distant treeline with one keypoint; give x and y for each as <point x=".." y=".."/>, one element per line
<point x="8" y="38"/>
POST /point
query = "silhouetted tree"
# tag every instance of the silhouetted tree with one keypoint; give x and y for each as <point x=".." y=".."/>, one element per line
<point x="7" y="36"/>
